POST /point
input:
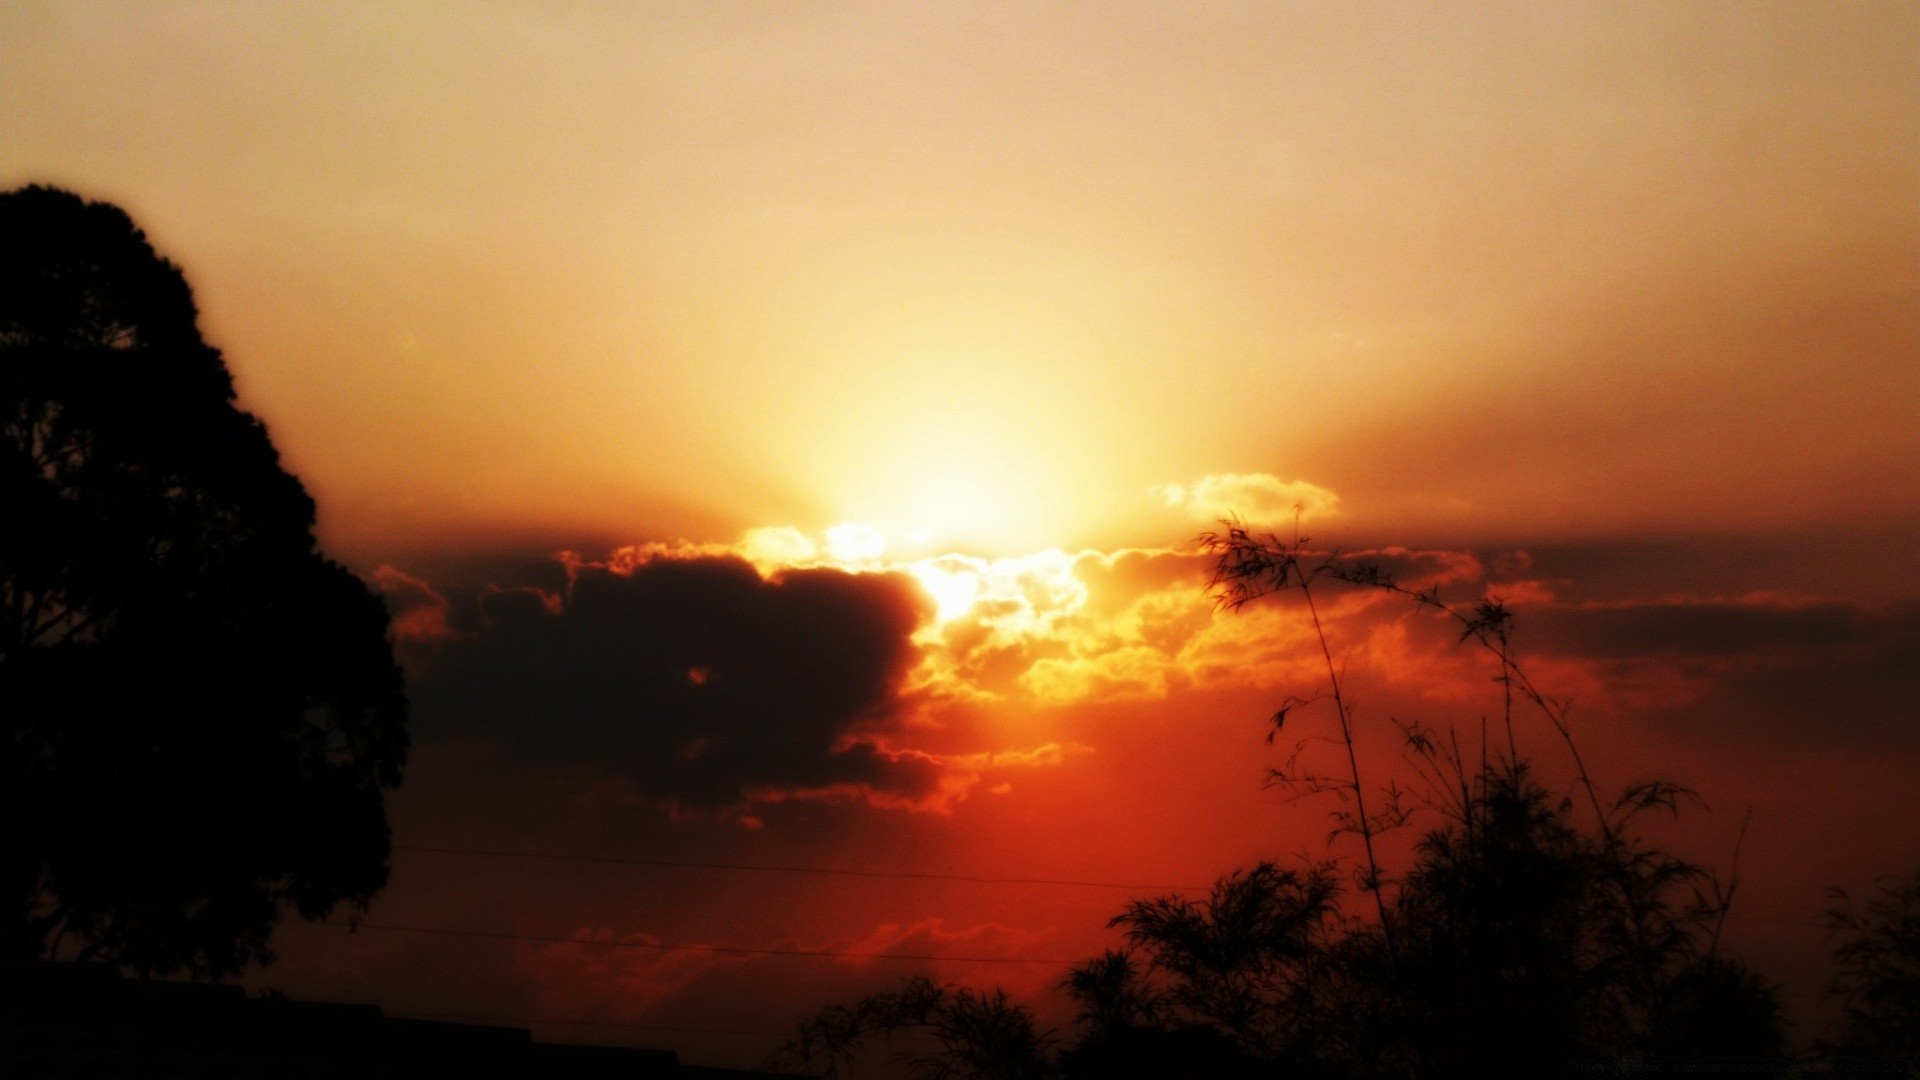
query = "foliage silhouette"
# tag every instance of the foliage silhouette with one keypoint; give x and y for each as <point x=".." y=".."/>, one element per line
<point x="1515" y="955"/>
<point x="1531" y="941"/>
<point x="1877" y="971"/>
<point x="966" y="1033"/>
<point x="1517" y="940"/>
<point x="1243" y="962"/>
<point x="202" y="712"/>
<point x="1130" y="1028"/>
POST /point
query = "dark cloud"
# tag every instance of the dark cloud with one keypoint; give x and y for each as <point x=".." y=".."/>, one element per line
<point x="1860" y="691"/>
<point x="1690" y="628"/>
<point x="1859" y="563"/>
<point x="419" y="611"/>
<point x="695" y="680"/>
<point x="1420" y="569"/>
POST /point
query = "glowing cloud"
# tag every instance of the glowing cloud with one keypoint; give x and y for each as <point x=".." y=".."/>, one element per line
<point x="1259" y="499"/>
<point x="853" y="543"/>
<point x="777" y="546"/>
<point x="419" y="611"/>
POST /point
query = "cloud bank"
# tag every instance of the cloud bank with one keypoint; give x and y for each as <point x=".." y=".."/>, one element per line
<point x="695" y="680"/>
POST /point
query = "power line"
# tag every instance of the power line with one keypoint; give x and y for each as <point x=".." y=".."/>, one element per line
<point x="737" y="950"/>
<point x="675" y="864"/>
<point x="537" y="1021"/>
<point x="907" y="875"/>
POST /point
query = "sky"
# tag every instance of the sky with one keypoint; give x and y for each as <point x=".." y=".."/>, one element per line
<point x="781" y="430"/>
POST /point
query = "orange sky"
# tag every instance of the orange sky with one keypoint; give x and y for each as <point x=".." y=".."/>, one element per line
<point x="1614" y="308"/>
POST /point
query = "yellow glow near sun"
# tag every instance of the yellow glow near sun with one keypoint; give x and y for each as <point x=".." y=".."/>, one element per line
<point x="1014" y="594"/>
<point x="777" y="545"/>
<point x="1017" y="595"/>
<point x="955" y="498"/>
<point x="954" y="591"/>
<point x="928" y="490"/>
<point x="853" y="543"/>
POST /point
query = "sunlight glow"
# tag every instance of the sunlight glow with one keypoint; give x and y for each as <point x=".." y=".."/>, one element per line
<point x="1015" y="594"/>
<point x="953" y="591"/>
<point x="777" y="545"/>
<point x="854" y="543"/>
<point x="956" y="490"/>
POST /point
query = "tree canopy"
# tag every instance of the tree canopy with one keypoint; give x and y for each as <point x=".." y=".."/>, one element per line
<point x="1876" y="976"/>
<point x="202" y="712"/>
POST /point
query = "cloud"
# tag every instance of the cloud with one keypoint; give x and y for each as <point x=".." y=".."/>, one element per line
<point x="1705" y="627"/>
<point x="1809" y="676"/>
<point x="1759" y="668"/>
<point x="691" y="677"/>
<point x="1261" y="500"/>
<point x="783" y="668"/>
<point x="1139" y="623"/>
<point x="586" y="979"/>
<point x="721" y="677"/>
<point x="1055" y="630"/>
<point x="419" y="611"/>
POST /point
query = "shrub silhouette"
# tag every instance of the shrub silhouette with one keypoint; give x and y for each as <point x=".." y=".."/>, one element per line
<point x="202" y="712"/>
<point x="964" y="1033"/>
<point x="1518" y="940"/>
<point x="1243" y="962"/>
<point x="1516" y="953"/>
<point x="1528" y="941"/>
<point x="1877" y="971"/>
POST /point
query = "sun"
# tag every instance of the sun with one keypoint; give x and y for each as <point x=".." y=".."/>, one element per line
<point x="930" y="494"/>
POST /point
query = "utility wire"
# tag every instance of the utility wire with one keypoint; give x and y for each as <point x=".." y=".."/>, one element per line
<point x="538" y="1021"/>
<point x="908" y="875"/>
<point x="675" y="864"/>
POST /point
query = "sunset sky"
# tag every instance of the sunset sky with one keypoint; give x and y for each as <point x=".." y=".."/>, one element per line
<point x="780" y="431"/>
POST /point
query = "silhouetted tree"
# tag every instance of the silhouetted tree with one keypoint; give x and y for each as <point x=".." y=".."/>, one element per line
<point x="1515" y="955"/>
<point x="1877" y="976"/>
<point x="1248" y="961"/>
<point x="1518" y="938"/>
<point x="201" y="711"/>
<point x="1717" y="1007"/>
<point x="960" y="1033"/>
<point x="1529" y="941"/>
